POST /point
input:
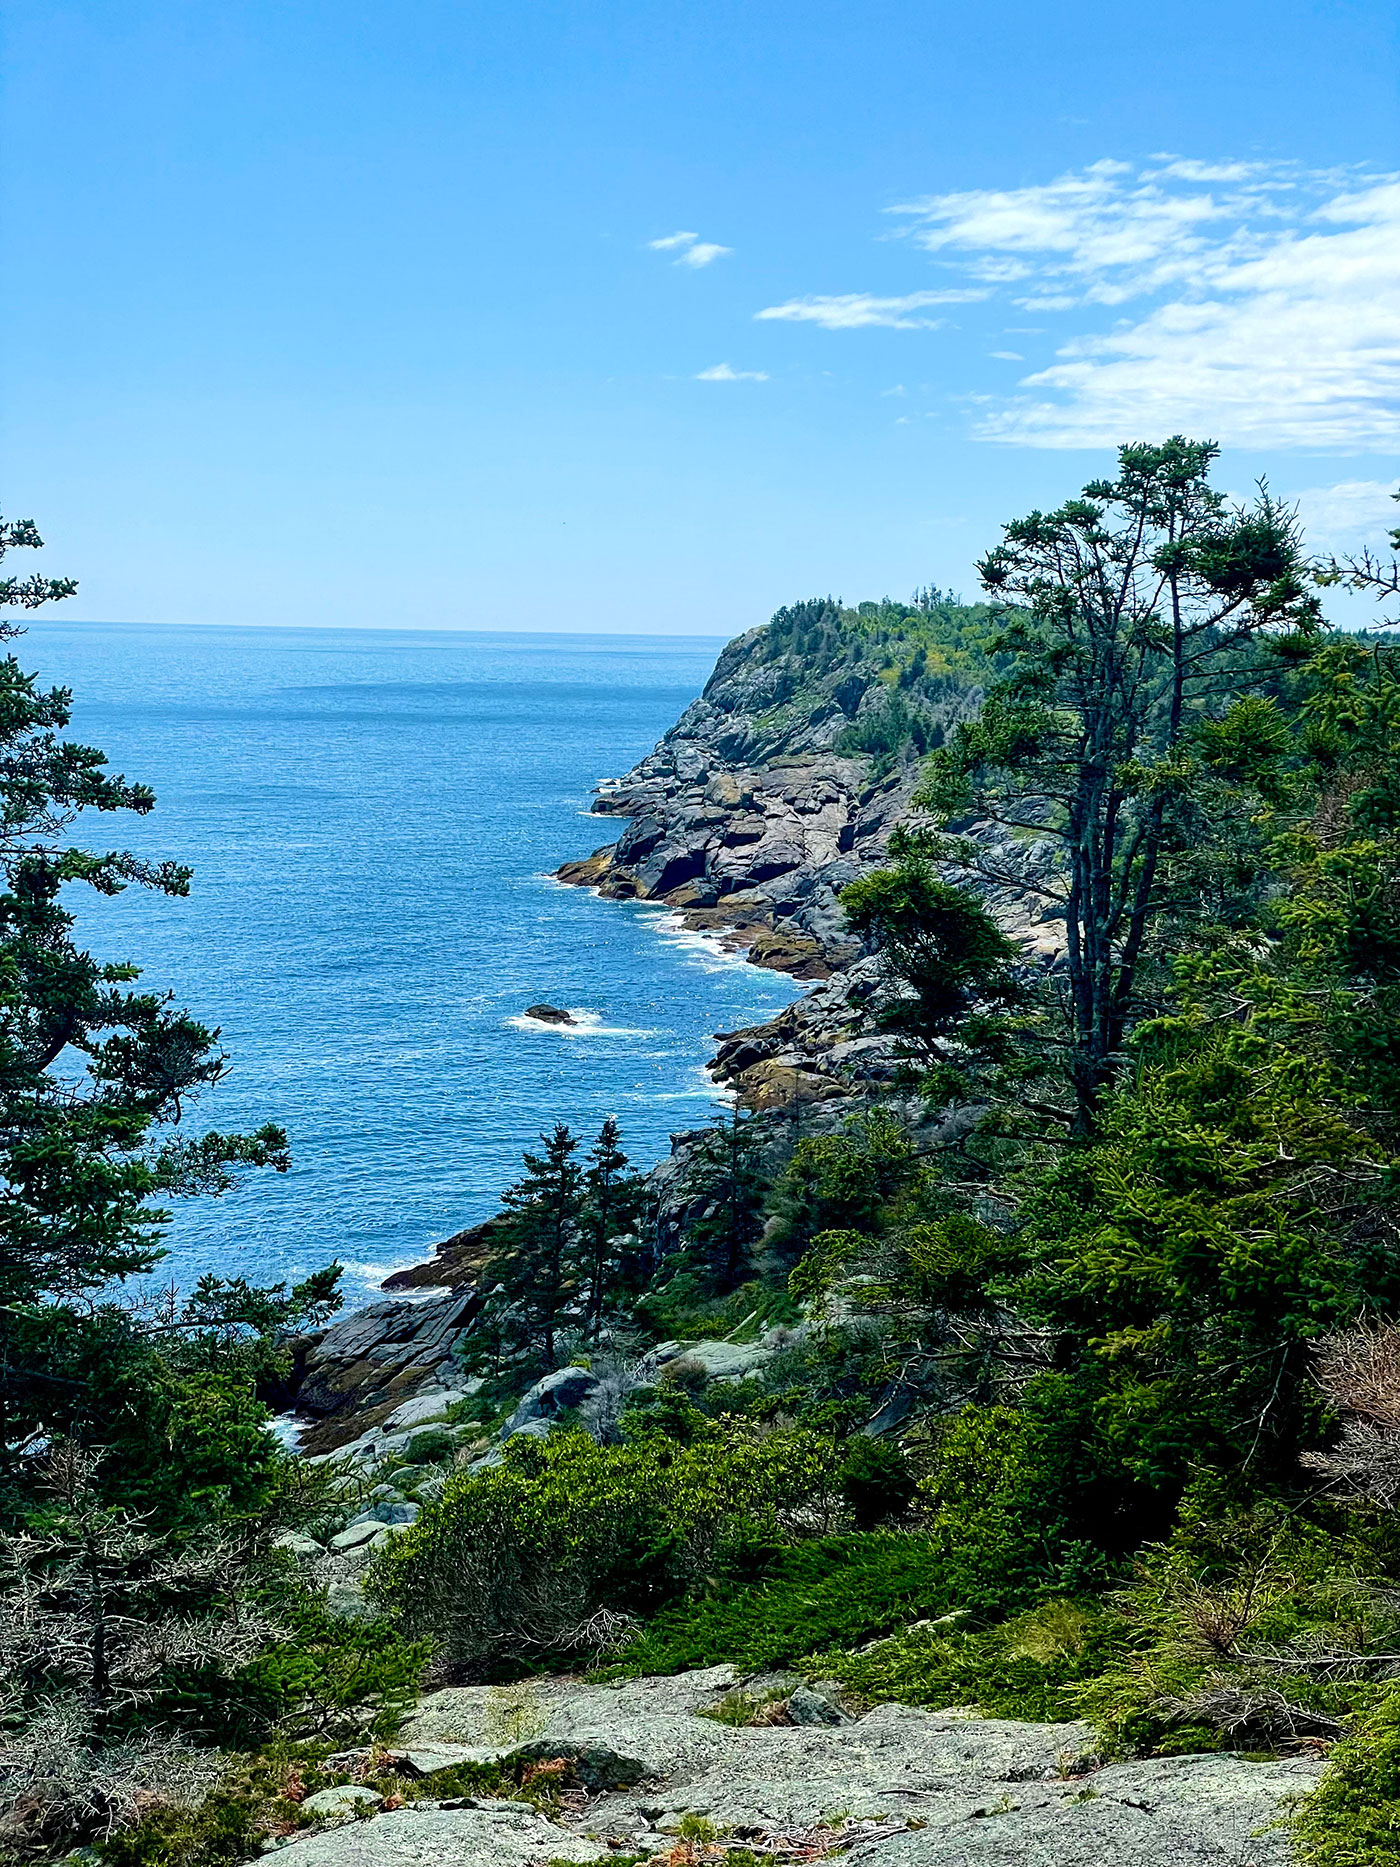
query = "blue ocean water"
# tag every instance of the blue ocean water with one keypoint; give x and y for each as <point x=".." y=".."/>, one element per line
<point x="371" y="816"/>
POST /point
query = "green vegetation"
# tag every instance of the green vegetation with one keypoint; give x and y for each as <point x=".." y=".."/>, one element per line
<point x="1080" y="1398"/>
<point x="564" y="1547"/>
<point x="832" y="1591"/>
<point x="146" y="1614"/>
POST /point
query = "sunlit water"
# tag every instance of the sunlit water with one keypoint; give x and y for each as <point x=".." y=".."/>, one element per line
<point x="371" y="817"/>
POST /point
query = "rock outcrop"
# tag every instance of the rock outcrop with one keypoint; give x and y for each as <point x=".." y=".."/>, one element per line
<point x="920" y="1788"/>
<point x="364" y="1367"/>
<point x="748" y="819"/>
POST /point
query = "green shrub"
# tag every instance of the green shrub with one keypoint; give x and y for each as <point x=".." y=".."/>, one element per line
<point x="258" y="1801"/>
<point x="999" y="1511"/>
<point x="876" y="1482"/>
<point x="833" y="1591"/>
<point x="555" y="1552"/>
<point x="1352" y="1818"/>
<point x="430" y="1447"/>
<point x="1030" y="1667"/>
<point x="1233" y="1581"/>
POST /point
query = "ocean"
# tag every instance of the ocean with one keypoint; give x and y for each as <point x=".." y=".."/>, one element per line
<point x="371" y="817"/>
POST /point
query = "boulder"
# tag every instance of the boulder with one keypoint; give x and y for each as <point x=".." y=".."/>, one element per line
<point x="722" y="1361"/>
<point x="808" y="1707"/>
<point x="566" y="1387"/>
<point x="550" y="1014"/>
<point x="344" y="1799"/>
<point x="345" y="1601"/>
<point x="356" y="1535"/>
<point x="303" y="1547"/>
<point x="431" y="1405"/>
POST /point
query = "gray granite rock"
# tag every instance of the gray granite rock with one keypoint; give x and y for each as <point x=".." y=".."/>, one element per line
<point x="565" y="1387"/>
<point x="419" y="1836"/>
<point x="356" y="1535"/>
<point x="344" y="1799"/>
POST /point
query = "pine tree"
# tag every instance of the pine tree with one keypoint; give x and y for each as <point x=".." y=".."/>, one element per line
<point x="547" y="1205"/>
<point x="611" y="1208"/>
<point x="728" y="1175"/>
<point x="1132" y="615"/>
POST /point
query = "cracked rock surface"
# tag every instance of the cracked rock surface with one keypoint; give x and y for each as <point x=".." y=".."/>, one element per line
<point x="946" y="1789"/>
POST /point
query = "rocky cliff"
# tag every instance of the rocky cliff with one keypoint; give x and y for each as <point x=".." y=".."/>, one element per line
<point x="775" y="790"/>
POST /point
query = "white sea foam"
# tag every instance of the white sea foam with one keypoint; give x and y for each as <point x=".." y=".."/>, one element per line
<point x="372" y="1275"/>
<point x="702" y="945"/>
<point x="287" y="1430"/>
<point x="585" y="1024"/>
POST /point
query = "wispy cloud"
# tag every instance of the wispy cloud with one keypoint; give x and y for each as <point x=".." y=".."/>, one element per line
<point x="721" y="372"/>
<point x="1266" y="300"/>
<point x="689" y="248"/>
<point x="1350" y="515"/>
<point x="702" y="253"/>
<point x="852" y="311"/>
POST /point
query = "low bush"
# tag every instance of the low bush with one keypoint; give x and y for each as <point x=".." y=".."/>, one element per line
<point x="258" y="1802"/>
<point x="1032" y="1666"/>
<point x="1248" y="1629"/>
<point x="557" y="1552"/>
<point x="1352" y="1818"/>
<point x="833" y="1591"/>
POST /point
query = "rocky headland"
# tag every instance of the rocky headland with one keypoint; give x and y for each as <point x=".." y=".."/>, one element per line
<point x="775" y="789"/>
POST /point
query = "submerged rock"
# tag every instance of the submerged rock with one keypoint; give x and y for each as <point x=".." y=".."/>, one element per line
<point x="550" y="1014"/>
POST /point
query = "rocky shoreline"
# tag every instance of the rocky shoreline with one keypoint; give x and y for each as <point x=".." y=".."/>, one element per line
<point x="747" y="820"/>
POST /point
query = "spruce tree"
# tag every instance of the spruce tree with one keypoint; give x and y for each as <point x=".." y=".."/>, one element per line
<point x="547" y="1205"/>
<point x="610" y="1210"/>
<point x="1131" y="615"/>
<point x="96" y="1082"/>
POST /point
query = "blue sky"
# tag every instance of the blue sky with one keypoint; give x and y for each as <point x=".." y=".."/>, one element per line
<point x="652" y="317"/>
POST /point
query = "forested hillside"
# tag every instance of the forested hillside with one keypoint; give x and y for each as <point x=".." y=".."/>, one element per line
<point x="1025" y="1336"/>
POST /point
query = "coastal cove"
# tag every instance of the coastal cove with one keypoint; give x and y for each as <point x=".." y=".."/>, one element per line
<point x="372" y="818"/>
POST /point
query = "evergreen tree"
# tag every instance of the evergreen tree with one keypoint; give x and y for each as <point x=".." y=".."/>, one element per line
<point x="1133" y="613"/>
<point x="612" y="1204"/>
<point x="950" y="973"/>
<point x="727" y="1177"/>
<point x="95" y="1081"/>
<point x="547" y="1204"/>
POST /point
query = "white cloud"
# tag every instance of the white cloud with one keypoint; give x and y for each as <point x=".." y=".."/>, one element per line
<point x="1007" y="356"/>
<point x="702" y="253"/>
<point x="1276" y="319"/>
<point x="689" y="248"/>
<point x="1348" y="516"/>
<point x="853" y="311"/>
<point x="721" y="372"/>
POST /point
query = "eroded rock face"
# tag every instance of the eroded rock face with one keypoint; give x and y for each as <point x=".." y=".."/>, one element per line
<point x="364" y="1367"/>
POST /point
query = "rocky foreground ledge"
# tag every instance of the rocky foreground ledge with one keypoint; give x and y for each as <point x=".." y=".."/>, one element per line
<point x="896" y="1787"/>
